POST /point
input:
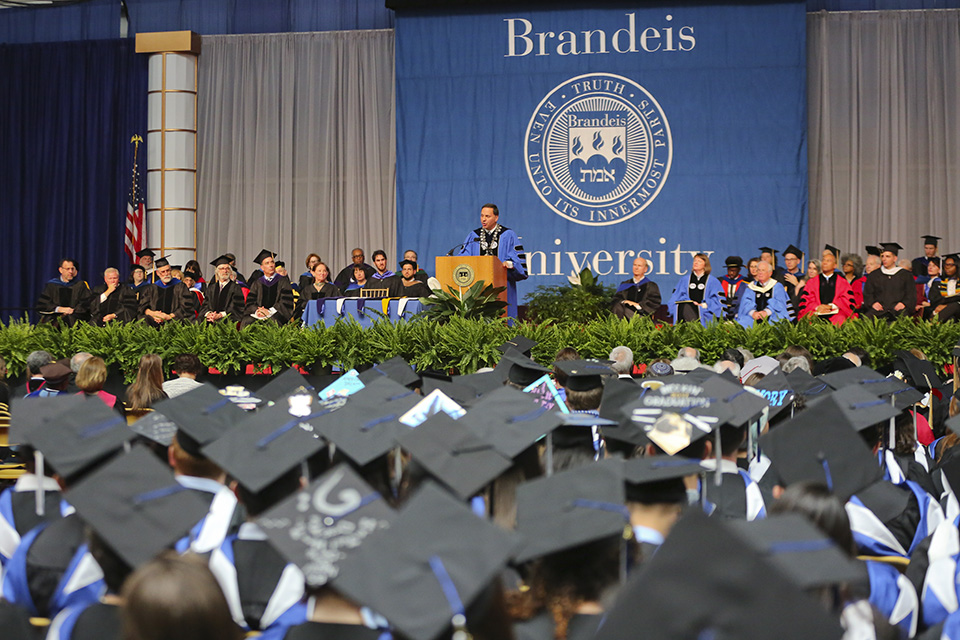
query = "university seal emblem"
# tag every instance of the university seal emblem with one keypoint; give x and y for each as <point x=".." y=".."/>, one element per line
<point x="598" y="149"/>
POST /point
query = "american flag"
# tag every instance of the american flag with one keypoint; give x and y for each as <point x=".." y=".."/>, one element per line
<point x="134" y="240"/>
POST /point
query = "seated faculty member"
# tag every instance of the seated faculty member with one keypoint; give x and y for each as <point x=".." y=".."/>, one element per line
<point x="167" y="299"/>
<point x="829" y="295"/>
<point x="224" y="296"/>
<point x="764" y="299"/>
<point x="271" y="296"/>
<point x="697" y="296"/>
<point x="638" y="294"/>
<point x="64" y="298"/>
<point x="107" y="300"/>
<point x="345" y="277"/>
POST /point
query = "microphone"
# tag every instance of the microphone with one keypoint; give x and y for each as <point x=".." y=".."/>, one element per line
<point x="456" y="249"/>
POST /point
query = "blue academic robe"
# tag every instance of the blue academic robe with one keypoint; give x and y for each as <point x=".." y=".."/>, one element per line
<point x="712" y="296"/>
<point x="778" y="305"/>
<point x="508" y="248"/>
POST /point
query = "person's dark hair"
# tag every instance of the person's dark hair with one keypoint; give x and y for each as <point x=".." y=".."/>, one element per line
<point x="188" y="465"/>
<point x="731" y="439"/>
<point x="115" y="569"/>
<point x="567" y="353"/>
<point x="193" y="265"/>
<point x="857" y="263"/>
<point x="404" y="263"/>
<point x="584" y="400"/>
<point x="906" y="439"/>
<point x="561" y="582"/>
<point x="71" y="261"/>
<point x="176" y="596"/>
<point x="188" y="363"/>
<point x="490" y="205"/>
<point x="815" y="501"/>
<point x="379" y="252"/>
<point x="257" y="503"/>
<point x="734" y="356"/>
<point x="306" y="262"/>
<point x="148" y="386"/>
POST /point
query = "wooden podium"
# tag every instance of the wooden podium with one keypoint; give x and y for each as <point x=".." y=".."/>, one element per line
<point x="461" y="272"/>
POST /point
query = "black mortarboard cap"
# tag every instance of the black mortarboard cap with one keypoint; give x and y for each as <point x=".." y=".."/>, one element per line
<point x="904" y="395"/>
<point x="482" y="383"/>
<point x="75" y="440"/>
<point x="930" y="240"/>
<point x="658" y="479"/>
<point x="769" y="250"/>
<point x="706" y="582"/>
<point x="776" y="388"/>
<point x="32" y="413"/>
<point x="807" y="385"/>
<point x="801" y="551"/>
<point x="202" y="415"/>
<point x="161" y="262"/>
<point x="145" y="252"/>
<point x="860" y="408"/>
<point x="281" y="263"/>
<point x="584" y="375"/>
<point x="511" y="420"/>
<point x="397" y="369"/>
<point x="367" y="426"/>
<point x="265" y="446"/>
<point x="832" y="249"/>
<point x="570" y="508"/>
<point x="617" y="393"/>
<point x="137" y="267"/>
<point x="523" y="371"/>
<point x="289" y="382"/>
<point x="819" y="445"/>
<point x="190" y="273"/>
<point x="462" y="394"/>
<point x="454" y="454"/>
<point x="156" y="427"/>
<point x="219" y="261"/>
<point x="521" y="343"/>
<point x="922" y="373"/>
<point x="793" y="250"/>
<point x="892" y="247"/>
<point x="744" y="405"/>
<point x="733" y="262"/>
<point x="873" y="250"/>
<point x="136" y="506"/>
<point x="428" y="567"/>
<point x="319" y="527"/>
<point x="263" y="255"/>
<point x="176" y="267"/>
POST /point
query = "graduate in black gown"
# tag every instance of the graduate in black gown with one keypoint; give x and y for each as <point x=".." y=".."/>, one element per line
<point x="107" y="300"/>
<point x="637" y="295"/>
<point x="167" y="299"/>
<point x="407" y="285"/>
<point x="223" y="298"/>
<point x="271" y="296"/>
<point x="318" y="288"/>
<point x="890" y="291"/>
<point x="64" y="298"/>
<point x="132" y="290"/>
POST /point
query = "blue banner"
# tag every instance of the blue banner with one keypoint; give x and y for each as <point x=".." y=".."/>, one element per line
<point x="604" y="134"/>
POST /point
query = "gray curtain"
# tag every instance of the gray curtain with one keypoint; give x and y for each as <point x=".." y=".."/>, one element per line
<point x="884" y="127"/>
<point x="296" y="147"/>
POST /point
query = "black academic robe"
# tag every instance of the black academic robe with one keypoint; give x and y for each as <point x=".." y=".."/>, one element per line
<point x="416" y="290"/>
<point x="646" y="293"/>
<point x="173" y="297"/>
<point x="888" y="290"/>
<point x="581" y="627"/>
<point x="345" y="276"/>
<point x="98" y="622"/>
<point x="57" y="293"/>
<point x="311" y="293"/>
<point x="939" y="295"/>
<point x="331" y="631"/>
<point x="113" y="304"/>
<point x="227" y="299"/>
<point x="131" y="298"/>
<point x="276" y="294"/>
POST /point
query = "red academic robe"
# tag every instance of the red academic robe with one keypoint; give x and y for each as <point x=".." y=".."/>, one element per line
<point x="842" y="298"/>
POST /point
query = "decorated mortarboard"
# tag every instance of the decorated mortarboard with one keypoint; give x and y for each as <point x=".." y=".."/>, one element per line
<point x="676" y="414"/>
<point x="155" y="427"/>
<point x="144" y="253"/>
<point x="511" y="420"/>
<point x="892" y="247"/>
<point x="775" y="387"/>
<point x="832" y="249"/>
<point x="397" y="369"/>
<point x="290" y="382"/>
<point x="794" y="251"/>
<point x="136" y="505"/>
<point x="319" y="527"/>
<point x="424" y="572"/>
<point x="873" y="250"/>
<point x="454" y="455"/>
<point x="733" y="262"/>
<point x="931" y="240"/>
<point x="801" y="551"/>
<point x="202" y="415"/>
<point x="367" y="426"/>
<point x="30" y="414"/>
<point x="265" y="446"/>
<point x="522" y="370"/>
<point x="431" y="404"/>
<point x="570" y="508"/>
<point x="807" y="385"/>
<point x="584" y="375"/>
<point x="903" y="394"/>
<point x="921" y="373"/>
<point x="462" y="394"/>
<point x="658" y="479"/>
<point x="161" y="263"/>
<point x="75" y="440"/>
<point x="263" y="255"/>
<point x="820" y="445"/>
<point x="521" y="343"/>
<point x="219" y="261"/>
<point x="707" y="582"/>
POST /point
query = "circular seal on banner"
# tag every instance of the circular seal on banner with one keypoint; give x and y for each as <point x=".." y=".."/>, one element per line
<point x="463" y="275"/>
<point x="598" y="149"/>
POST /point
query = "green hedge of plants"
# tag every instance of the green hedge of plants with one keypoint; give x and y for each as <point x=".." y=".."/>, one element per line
<point x="460" y="344"/>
